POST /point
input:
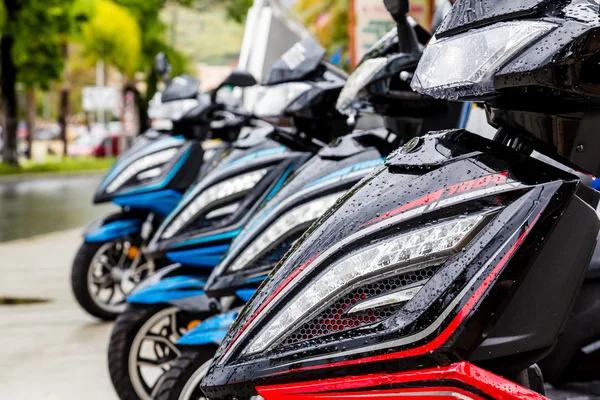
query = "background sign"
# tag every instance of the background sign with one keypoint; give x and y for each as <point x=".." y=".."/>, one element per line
<point x="370" y="20"/>
<point x="101" y="99"/>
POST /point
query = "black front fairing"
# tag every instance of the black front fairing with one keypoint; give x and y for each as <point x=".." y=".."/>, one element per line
<point x="177" y="174"/>
<point x="434" y="179"/>
<point x="256" y="152"/>
<point x="333" y="171"/>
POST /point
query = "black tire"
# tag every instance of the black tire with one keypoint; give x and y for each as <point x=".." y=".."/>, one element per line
<point x="79" y="281"/>
<point x="182" y="370"/>
<point x="128" y="324"/>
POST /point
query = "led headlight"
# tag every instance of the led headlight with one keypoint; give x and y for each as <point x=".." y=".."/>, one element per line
<point x="465" y="64"/>
<point x="143" y="164"/>
<point x="220" y="191"/>
<point x="358" y="80"/>
<point x="405" y="251"/>
<point x="275" y="99"/>
<point x="305" y="213"/>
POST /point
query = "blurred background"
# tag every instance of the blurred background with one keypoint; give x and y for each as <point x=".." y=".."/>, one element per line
<point x="77" y="77"/>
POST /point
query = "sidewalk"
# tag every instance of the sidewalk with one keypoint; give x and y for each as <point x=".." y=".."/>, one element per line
<point x="52" y="350"/>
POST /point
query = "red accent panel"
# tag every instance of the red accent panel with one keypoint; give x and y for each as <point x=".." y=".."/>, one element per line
<point x="465" y="186"/>
<point x="435" y="196"/>
<point x="446" y="333"/>
<point x="463" y="372"/>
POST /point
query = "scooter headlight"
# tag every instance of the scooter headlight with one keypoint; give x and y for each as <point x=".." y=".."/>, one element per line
<point x="465" y="64"/>
<point x="358" y="80"/>
<point x="282" y="227"/>
<point x="147" y="167"/>
<point x="412" y="250"/>
<point x="211" y="195"/>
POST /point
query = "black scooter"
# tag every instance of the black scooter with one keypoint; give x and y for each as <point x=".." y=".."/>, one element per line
<point x="453" y="271"/>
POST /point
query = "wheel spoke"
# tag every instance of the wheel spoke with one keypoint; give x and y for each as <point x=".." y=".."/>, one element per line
<point x="174" y="330"/>
<point x="163" y="340"/>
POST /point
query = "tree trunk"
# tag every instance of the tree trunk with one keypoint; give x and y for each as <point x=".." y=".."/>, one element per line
<point x="65" y="90"/>
<point x="9" y="94"/>
<point x="134" y="110"/>
<point x="31" y="111"/>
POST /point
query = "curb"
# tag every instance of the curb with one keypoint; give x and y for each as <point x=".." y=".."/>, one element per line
<point x="49" y="176"/>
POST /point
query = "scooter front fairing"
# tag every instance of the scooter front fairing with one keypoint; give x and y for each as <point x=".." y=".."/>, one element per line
<point x="387" y="284"/>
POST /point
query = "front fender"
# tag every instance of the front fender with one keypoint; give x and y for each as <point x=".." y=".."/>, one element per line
<point x="175" y="285"/>
<point x="112" y="227"/>
<point x="213" y="330"/>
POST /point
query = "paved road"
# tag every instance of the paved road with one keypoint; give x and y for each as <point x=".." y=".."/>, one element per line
<point x="54" y="350"/>
<point x="36" y="206"/>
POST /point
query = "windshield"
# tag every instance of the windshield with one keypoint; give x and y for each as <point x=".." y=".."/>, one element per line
<point x="468" y="14"/>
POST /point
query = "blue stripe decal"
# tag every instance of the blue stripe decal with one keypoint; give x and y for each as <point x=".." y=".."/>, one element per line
<point x="161" y="202"/>
<point x="262" y="153"/>
<point x="280" y="183"/>
<point x="258" y="279"/>
<point x="114" y="230"/>
<point x="206" y="257"/>
<point x="163" y="182"/>
<point x="220" y="236"/>
<point x="348" y="170"/>
<point x="464" y="116"/>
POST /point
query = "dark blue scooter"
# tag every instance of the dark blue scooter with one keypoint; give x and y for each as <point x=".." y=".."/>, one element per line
<point x="300" y="104"/>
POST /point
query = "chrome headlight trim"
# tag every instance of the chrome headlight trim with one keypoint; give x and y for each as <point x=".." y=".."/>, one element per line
<point x="142" y="164"/>
<point x="404" y="251"/>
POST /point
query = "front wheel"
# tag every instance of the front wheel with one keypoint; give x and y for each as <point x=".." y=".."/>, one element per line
<point x="182" y="382"/>
<point x="104" y="274"/>
<point x="143" y="347"/>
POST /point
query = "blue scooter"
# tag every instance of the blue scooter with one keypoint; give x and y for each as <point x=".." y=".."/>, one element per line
<point x="147" y="182"/>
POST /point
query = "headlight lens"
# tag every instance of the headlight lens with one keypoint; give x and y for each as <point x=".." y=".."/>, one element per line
<point x="143" y="164"/>
<point x="305" y="213"/>
<point x="275" y="99"/>
<point x="212" y="194"/>
<point x="406" y="250"/>
<point x="357" y="81"/>
<point x="465" y="64"/>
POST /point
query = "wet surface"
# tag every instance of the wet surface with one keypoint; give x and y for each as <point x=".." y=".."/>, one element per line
<point x="37" y="206"/>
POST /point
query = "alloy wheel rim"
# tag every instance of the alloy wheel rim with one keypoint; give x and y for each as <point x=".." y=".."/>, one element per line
<point x="156" y="338"/>
<point x="112" y="275"/>
<point x="191" y="390"/>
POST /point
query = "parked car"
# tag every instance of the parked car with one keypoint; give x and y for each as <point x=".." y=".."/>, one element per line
<point x="97" y="145"/>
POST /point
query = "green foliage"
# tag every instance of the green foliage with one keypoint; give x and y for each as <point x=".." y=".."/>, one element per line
<point x="58" y="165"/>
<point x="113" y="35"/>
<point x="328" y="21"/>
<point x="237" y="9"/>
<point x="196" y="31"/>
<point x="36" y="50"/>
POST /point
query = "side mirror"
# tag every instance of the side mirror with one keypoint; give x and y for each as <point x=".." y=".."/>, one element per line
<point x="407" y="38"/>
<point x="237" y="78"/>
<point x="397" y="8"/>
<point x="163" y="67"/>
